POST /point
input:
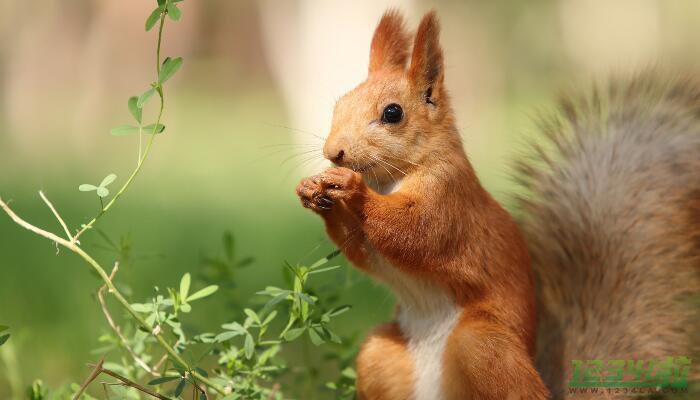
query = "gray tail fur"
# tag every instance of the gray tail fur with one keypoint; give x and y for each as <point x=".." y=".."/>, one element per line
<point x="612" y="221"/>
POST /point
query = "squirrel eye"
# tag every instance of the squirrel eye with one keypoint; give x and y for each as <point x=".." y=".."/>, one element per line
<point x="392" y="114"/>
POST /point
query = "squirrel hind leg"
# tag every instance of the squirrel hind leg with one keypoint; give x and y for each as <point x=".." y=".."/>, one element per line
<point x="485" y="360"/>
<point x="385" y="369"/>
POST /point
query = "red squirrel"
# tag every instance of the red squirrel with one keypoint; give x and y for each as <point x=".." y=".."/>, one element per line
<point x="404" y="205"/>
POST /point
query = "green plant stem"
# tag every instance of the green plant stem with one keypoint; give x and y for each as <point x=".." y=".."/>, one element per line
<point x="72" y="243"/>
<point x="136" y="171"/>
<point x="72" y="246"/>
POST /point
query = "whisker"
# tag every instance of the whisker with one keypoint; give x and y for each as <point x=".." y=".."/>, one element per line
<point x="297" y="155"/>
<point x="391" y="165"/>
<point x="290" y="145"/>
<point x="400" y="159"/>
<point x="297" y="130"/>
<point x="382" y="165"/>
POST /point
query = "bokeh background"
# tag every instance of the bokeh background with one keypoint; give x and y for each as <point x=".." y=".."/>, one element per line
<point x="257" y="75"/>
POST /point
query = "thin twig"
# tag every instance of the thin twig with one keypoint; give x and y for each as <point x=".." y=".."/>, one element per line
<point x="99" y="369"/>
<point x="93" y="375"/>
<point x="117" y="330"/>
<point x="128" y="382"/>
<point x="41" y="232"/>
<point x="55" y="213"/>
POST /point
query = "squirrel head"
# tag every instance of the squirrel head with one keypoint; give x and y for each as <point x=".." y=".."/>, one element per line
<point x="393" y="121"/>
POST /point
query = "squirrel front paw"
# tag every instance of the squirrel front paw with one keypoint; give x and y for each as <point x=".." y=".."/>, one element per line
<point x="321" y="192"/>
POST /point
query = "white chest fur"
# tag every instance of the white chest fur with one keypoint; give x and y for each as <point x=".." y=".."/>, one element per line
<point x="427" y="316"/>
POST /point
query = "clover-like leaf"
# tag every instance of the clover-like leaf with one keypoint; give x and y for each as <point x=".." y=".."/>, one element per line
<point x="108" y="179"/>
<point x="145" y="96"/>
<point x="200" y="294"/>
<point x="235" y="327"/>
<point x="174" y="12"/>
<point x="134" y="108"/>
<point x="249" y="346"/>
<point x="224" y="336"/>
<point x="102" y="191"/>
<point x="163" y="379"/>
<point x="315" y="337"/>
<point x="151" y="128"/>
<point x="170" y="67"/>
<point x="86" y="187"/>
<point x="153" y="18"/>
<point x="180" y="387"/>
<point x="293" y="334"/>
<point x="185" y="286"/>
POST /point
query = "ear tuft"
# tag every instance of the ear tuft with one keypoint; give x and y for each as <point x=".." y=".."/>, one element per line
<point x="390" y="43"/>
<point x="427" y="70"/>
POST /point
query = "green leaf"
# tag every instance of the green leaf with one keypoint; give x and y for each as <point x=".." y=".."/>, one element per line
<point x="142" y="307"/>
<point x="349" y="373"/>
<point x="107" y="180"/>
<point x="174" y="12"/>
<point x="249" y="346"/>
<point x="134" y="108"/>
<point x="318" y="271"/>
<point x="224" y="336"/>
<point x="315" y="337"/>
<point x="332" y="336"/>
<point x="102" y="191"/>
<point x="235" y="326"/>
<point x="293" y="334"/>
<point x="85" y="187"/>
<point x="306" y="298"/>
<point x="153" y="18"/>
<point x="324" y="259"/>
<point x="180" y="387"/>
<point x="339" y="310"/>
<point x="185" y="307"/>
<point x="163" y="379"/>
<point x="4" y="328"/>
<point x="207" y="291"/>
<point x="252" y="315"/>
<point x="123" y="130"/>
<point x="4" y="338"/>
<point x="170" y="67"/>
<point x="143" y="99"/>
<point x="185" y="286"/>
<point x="150" y="128"/>
<point x="270" y="317"/>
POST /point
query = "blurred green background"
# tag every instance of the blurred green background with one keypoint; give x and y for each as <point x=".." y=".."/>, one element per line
<point x="256" y="75"/>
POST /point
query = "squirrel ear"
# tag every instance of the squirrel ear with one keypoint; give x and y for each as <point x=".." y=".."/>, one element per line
<point x="426" y="72"/>
<point x="390" y="43"/>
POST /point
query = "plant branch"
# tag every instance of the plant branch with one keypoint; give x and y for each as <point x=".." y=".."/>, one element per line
<point x="136" y="171"/>
<point x="71" y="245"/>
<point x="93" y="375"/>
<point x="41" y="232"/>
<point x="56" y="214"/>
<point x="99" y="369"/>
<point x="117" y="330"/>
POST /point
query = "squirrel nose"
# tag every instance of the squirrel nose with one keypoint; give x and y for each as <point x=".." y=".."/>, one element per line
<point x="337" y="157"/>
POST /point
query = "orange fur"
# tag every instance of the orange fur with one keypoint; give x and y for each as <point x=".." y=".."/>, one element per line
<point x="405" y="195"/>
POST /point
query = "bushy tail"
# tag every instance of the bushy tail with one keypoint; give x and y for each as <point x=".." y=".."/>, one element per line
<point x="612" y="220"/>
